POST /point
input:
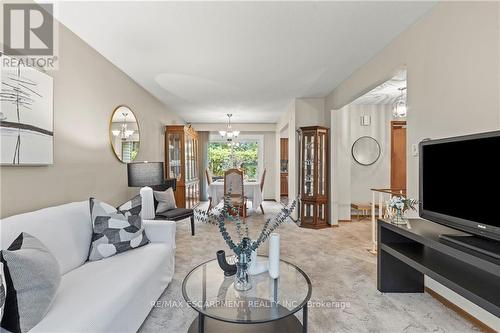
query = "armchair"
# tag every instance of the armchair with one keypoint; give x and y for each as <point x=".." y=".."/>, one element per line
<point x="176" y="214"/>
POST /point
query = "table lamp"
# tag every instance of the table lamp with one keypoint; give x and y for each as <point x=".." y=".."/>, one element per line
<point x="145" y="174"/>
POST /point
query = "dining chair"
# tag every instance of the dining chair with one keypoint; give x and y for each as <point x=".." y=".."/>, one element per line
<point x="262" y="179"/>
<point x="208" y="174"/>
<point x="233" y="181"/>
<point x="210" y="180"/>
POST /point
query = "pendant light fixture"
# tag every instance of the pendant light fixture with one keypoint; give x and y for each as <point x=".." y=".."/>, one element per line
<point x="229" y="134"/>
<point x="399" y="108"/>
<point x="123" y="132"/>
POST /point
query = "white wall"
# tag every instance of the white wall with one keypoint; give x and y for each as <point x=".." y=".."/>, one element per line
<point x="310" y="112"/>
<point x="453" y="76"/>
<point x="377" y="175"/>
<point x="355" y="180"/>
<point x="452" y="58"/>
<point x="287" y="122"/>
<point x="340" y="171"/>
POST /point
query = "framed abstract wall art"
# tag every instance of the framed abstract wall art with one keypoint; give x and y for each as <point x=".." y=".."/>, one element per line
<point x="26" y="116"/>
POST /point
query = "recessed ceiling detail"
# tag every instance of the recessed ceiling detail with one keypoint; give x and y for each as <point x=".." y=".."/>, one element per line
<point x="251" y="59"/>
<point x="386" y="93"/>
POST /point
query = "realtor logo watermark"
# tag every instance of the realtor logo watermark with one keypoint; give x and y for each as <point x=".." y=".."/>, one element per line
<point x="29" y="35"/>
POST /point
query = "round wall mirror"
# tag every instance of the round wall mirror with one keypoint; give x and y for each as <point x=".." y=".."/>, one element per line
<point x="365" y="150"/>
<point x="124" y="134"/>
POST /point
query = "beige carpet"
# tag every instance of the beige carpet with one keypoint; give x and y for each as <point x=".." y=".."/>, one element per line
<point x="340" y="268"/>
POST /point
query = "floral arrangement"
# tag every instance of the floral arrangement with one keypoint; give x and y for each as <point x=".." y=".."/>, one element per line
<point x="219" y="215"/>
<point x="244" y="246"/>
<point x="398" y="205"/>
<point x="401" y="203"/>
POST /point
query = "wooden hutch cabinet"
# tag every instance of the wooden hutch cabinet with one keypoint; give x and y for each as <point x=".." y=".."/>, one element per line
<point x="313" y="177"/>
<point x="284" y="167"/>
<point x="181" y="163"/>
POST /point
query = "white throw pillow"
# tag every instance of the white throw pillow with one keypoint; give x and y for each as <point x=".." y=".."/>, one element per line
<point x="166" y="200"/>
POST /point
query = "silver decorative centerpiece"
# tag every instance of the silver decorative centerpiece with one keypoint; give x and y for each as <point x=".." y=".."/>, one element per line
<point x="398" y="206"/>
<point x="245" y="246"/>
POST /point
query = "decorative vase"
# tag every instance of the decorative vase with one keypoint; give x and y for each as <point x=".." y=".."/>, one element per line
<point x="398" y="217"/>
<point x="228" y="269"/>
<point x="242" y="279"/>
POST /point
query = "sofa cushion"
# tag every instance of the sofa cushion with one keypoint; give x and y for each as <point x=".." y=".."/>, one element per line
<point x="114" y="231"/>
<point x="112" y="295"/>
<point x="169" y="183"/>
<point x="175" y="214"/>
<point x="32" y="276"/>
<point x="65" y="230"/>
<point x="166" y="200"/>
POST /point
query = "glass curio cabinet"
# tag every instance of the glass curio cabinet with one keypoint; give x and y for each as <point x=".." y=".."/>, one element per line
<point x="313" y="177"/>
<point x="181" y="163"/>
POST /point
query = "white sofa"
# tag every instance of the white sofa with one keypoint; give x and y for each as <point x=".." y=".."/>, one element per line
<point x="110" y="295"/>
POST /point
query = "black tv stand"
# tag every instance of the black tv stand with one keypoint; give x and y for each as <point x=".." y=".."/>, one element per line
<point x="408" y="252"/>
<point x="483" y="245"/>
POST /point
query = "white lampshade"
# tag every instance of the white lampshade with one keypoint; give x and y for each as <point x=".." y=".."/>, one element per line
<point x="236" y="133"/>
<point x="115" y="132"/>
<point x="222" y="133"/>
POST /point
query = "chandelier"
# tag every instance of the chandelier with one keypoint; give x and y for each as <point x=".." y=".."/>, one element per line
<point x="229" y="134"/>
<point x="123" y="132"/>
<point x="399" y="108"/>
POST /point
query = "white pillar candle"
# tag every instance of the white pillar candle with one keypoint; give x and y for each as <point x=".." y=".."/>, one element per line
<point x="274" y="255"/>
<point x="148" y="204"/>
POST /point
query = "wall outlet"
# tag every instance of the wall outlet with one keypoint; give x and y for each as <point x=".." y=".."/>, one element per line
<point x="414" y="150"/>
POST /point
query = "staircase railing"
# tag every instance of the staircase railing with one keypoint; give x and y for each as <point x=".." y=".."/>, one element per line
<point x="382" y="192"/>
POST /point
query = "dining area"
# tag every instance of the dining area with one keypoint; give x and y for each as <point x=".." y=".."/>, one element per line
<point x="246" y="194"/>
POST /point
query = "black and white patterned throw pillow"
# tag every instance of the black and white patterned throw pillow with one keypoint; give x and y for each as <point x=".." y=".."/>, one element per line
<point x="32" y="277"/>
<point x="133" y="206"/>
<point x="114" y="231"/>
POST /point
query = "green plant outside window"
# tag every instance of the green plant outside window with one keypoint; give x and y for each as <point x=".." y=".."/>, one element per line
<point x="245" y="157"/>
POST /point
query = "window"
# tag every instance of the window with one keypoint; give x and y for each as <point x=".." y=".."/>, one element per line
<point x="129" y="150"/>
<point x="246" y="156"/>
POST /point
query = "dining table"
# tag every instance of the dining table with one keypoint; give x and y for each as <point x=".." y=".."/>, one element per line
<point x="251" y="191"/>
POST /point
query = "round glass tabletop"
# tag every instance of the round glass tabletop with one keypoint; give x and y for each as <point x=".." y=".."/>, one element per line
<point x="209" y="292"/>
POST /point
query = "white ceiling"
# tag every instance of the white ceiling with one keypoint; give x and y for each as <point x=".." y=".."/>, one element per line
<point x="206" y="59"/>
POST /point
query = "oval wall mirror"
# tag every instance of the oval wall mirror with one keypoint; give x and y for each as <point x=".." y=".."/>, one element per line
<point x="124" y="134"/>
<point x="365" y="150"/>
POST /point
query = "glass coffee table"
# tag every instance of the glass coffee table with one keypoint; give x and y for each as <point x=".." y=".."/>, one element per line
<point x="267" y="307"/>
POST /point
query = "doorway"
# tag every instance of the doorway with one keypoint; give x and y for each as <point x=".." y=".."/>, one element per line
<point x="283" y="168"/>
<point x="398" y="156"/>
<point x="371" y="154"/>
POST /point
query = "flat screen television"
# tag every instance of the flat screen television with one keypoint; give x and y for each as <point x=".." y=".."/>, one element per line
<point x="460" y="183"/>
